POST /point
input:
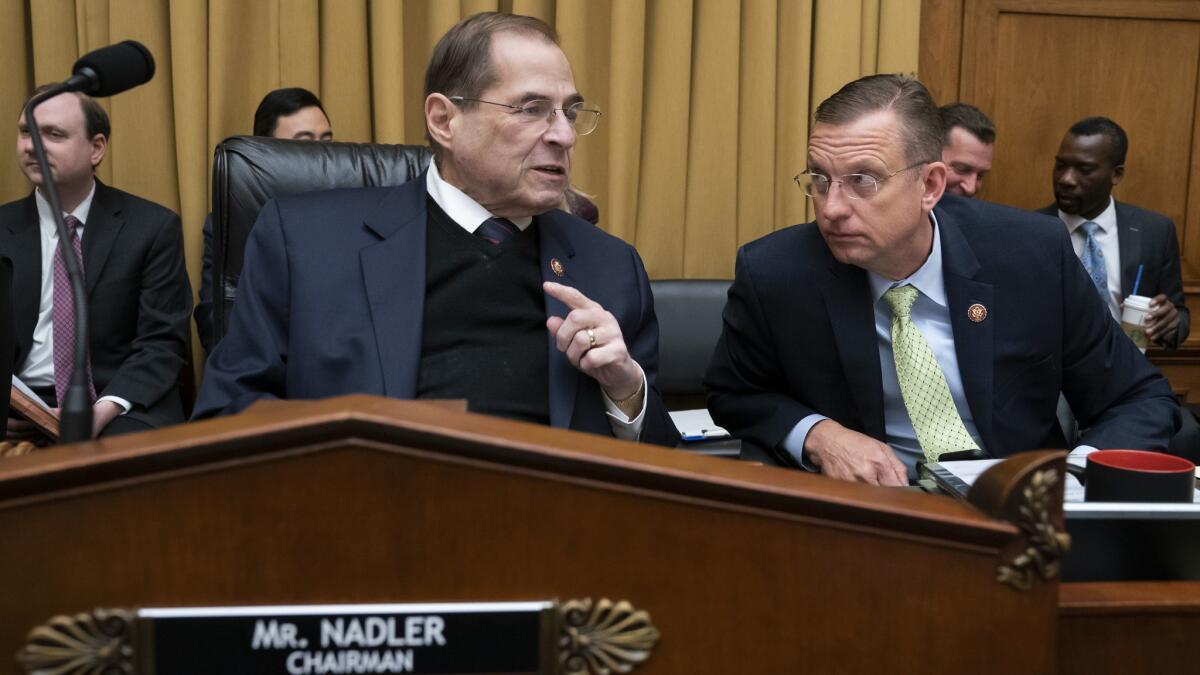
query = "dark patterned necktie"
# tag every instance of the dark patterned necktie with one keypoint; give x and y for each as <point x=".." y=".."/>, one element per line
<point x="63" y="316"/>
<point x="497" y="230"/>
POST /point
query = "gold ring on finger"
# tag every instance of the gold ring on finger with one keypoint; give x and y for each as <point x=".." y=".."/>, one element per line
<point x="591" y="338"/>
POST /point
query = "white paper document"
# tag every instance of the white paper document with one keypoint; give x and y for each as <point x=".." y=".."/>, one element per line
<point x="24" y="389"/>
<point x="696" y="425"/>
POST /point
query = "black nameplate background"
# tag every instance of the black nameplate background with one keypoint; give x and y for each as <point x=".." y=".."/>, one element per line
<point x="346" y="641"/>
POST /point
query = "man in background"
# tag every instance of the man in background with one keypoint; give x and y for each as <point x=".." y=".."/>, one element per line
<point x="465" y="283"/>
<point x="1114" y="240"/>
<point x="967" y="152"/>
<point x="131" y="250"/>
<point x="904" y="324"/>
<point x="293" y="113"/>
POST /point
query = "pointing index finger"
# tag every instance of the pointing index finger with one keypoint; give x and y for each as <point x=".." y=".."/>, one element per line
<point x="571" y="297"/>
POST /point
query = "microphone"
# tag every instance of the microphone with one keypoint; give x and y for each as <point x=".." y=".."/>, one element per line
<point x="111" y="70"/>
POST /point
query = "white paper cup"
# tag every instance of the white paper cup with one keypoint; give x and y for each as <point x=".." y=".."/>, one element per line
<point x="1133" y="319"/>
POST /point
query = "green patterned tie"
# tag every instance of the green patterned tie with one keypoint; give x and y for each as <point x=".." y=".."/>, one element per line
<point x="922" y="384"/>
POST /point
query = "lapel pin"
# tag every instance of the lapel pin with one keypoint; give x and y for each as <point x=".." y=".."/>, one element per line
<point x="556" y="267"/>
<point x="977" y="312"/>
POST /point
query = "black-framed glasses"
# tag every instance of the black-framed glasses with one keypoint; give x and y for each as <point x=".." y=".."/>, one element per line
<point x="584" y="120"/>
<point x="855" y="185"/>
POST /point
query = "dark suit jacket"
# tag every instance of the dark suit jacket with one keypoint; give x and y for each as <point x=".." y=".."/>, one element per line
<point x="799" y="338"/>
<point x="139" y="296"/>
<point x="1148" y="238"/>
<point x="332" y="294"/>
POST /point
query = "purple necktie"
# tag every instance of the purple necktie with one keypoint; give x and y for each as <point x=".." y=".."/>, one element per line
<point x="63" y="316"/>
<point x="497" y="230"/>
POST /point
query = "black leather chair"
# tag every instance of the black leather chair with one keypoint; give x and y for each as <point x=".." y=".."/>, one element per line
<point x="689" y="325"/>
<point x="249" y="171"/>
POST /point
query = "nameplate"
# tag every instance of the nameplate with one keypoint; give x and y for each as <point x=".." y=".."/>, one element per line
<point x="510" y="638"/>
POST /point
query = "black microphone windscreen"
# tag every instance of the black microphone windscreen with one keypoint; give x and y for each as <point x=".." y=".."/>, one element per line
<point x="116" y="68"/>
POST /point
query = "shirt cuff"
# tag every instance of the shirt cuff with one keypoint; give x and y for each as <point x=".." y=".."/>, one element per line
<point x="794" y="441"/>
<point x="622" y="427"/>
<point x="126" y="406"/>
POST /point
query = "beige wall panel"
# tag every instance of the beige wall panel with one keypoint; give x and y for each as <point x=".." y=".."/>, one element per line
<point x="299" y="45"/>
<point x="665" y="137"/>
<point x="188" y="38"/>
<point x="623" y="118"/>
<point x="793" y="108"/>
<point x="758" y="183"/>
<point x="240" y="70"/>
<point x="899" y="30"/>
<point x="710" y="235"/>
<point x="14" y="87"/>
<point x="940" y="41"/>
<point x="345" y="79"/>
<point x="583" y="29"/>
<point x="144" y="117"/>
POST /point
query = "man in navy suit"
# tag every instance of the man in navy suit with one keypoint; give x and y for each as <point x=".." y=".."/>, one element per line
<point x="465" y="283"/>
<point x="1090" y="162"/>
<point x="890" y="330"/>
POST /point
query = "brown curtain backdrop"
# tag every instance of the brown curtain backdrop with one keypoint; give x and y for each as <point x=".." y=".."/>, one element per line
<point x="706" y="102"/>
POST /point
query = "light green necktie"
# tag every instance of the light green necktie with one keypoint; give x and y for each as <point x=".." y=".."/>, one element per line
<point x="922" y="384"/>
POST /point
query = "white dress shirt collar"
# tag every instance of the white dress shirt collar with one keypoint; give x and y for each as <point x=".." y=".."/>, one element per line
<point x="927" y="279"/>
<point x="1107" y="220"/>
<point x="467" y="212"/>
<point x="81" y="212"/>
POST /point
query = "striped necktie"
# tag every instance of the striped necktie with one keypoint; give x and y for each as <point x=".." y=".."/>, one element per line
<point x="497" y="230"/>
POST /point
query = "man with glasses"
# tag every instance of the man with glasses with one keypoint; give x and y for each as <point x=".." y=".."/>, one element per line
<point x="466" y="283"/>
<point x="890" y="332"/>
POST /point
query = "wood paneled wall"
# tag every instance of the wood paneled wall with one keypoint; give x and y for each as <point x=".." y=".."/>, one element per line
<point x="1037" y="66"/>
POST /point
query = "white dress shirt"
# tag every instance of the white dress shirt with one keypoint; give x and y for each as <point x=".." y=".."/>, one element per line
<point x="1110" y="249"/>
<point x="38" y="369"/>
<point x="470" y="214"/>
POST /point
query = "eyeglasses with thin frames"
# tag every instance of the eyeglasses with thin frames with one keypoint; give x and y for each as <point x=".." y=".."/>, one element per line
<point x="584" y="120"/>
<point x="855" y="185"/>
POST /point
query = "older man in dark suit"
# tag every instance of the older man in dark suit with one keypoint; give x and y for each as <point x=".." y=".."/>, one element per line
<point x="891" y="330"/>
<point x="139" y="296"/>
<point x="467" y="282"/>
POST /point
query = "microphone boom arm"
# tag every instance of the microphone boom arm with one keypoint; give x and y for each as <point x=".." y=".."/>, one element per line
<point x="75" y="411"/>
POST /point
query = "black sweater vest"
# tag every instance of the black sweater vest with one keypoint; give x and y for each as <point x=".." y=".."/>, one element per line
<point x="483" y="336"/>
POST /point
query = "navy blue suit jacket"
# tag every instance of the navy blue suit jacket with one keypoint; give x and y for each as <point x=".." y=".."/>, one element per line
<point x="799" y="338"/>
<point x="332" y="294"/>
<point x="1147" y="238"/>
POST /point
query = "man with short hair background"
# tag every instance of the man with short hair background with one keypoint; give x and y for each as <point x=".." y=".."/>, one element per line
<point x="967" y="152"/>
<point x="466" y="282"/>
<point x="1090" y="162"/>
<point x="292" y="113"/>
<point x="1113" y="239"/>
<point x="902" y="324"/>
<point x="139" y="297"/>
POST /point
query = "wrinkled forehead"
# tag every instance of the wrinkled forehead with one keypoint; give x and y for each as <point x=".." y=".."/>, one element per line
<point x="528" y="65"/>
<point x="871" y="138"/>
